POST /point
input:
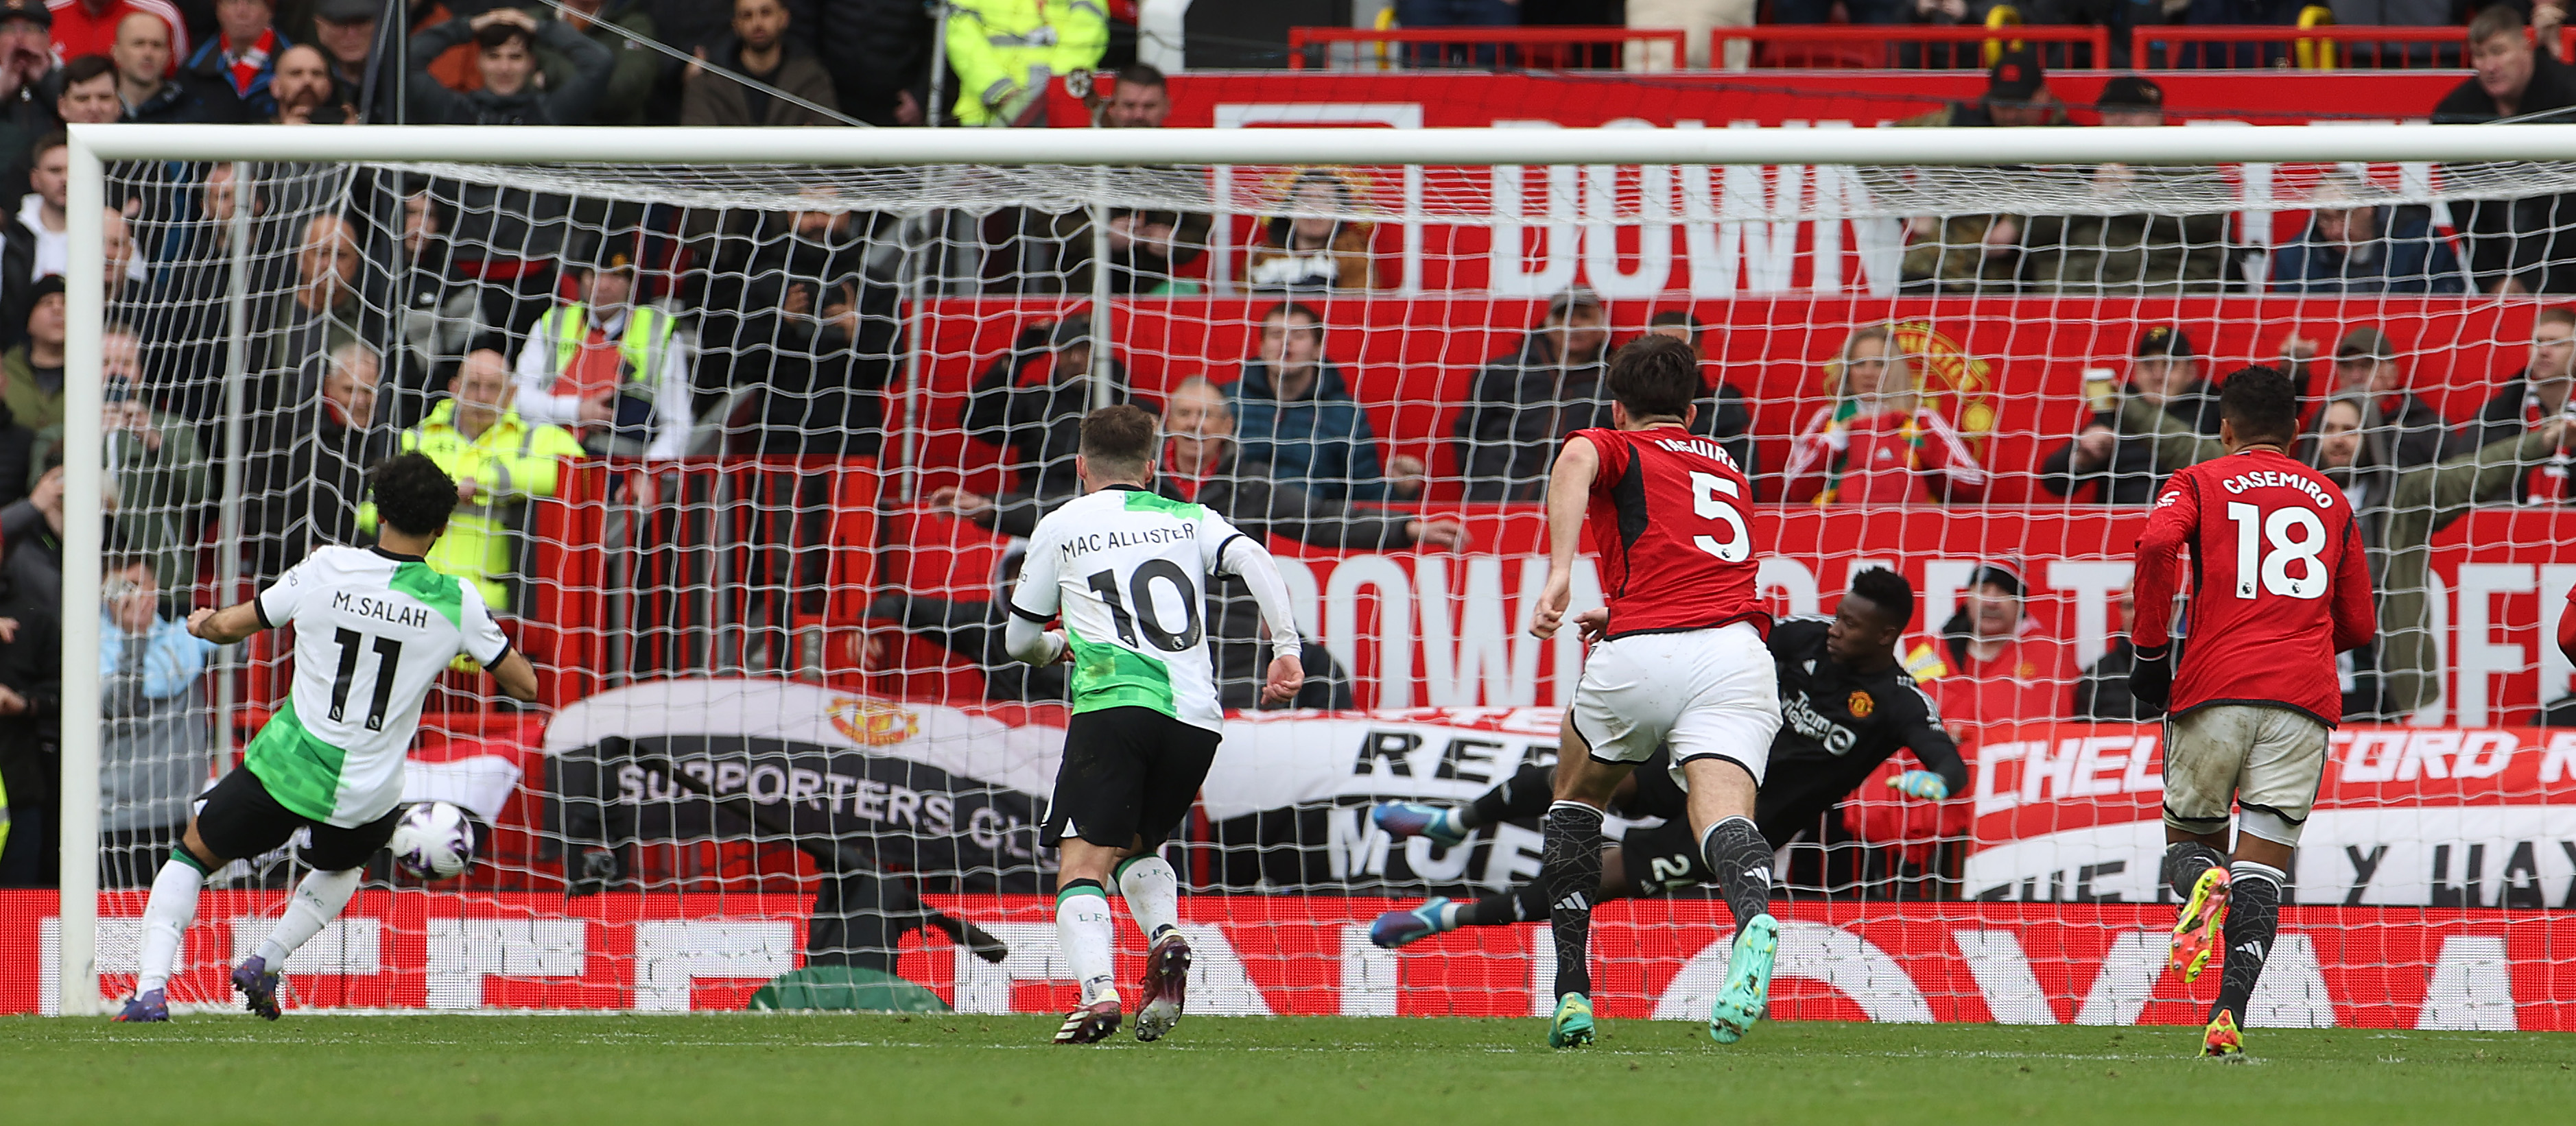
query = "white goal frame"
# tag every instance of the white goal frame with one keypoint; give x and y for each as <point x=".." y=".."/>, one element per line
<point x="92" y="146"/>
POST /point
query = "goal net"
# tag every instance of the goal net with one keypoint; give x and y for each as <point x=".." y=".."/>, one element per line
<point x="747" y="453"/>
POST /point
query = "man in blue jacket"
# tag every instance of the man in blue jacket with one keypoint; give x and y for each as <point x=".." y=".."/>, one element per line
<point x="1292" y="410"/>
<point x="2353" y="247"/>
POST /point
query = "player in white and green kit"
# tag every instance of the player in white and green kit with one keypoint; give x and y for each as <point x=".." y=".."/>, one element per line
<point x="374" y="628"/>
<point x="1127" y="570"/>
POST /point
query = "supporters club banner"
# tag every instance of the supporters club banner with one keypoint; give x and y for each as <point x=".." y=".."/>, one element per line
<point x="2094" y="964"/>
<point x="2406" y="816"/>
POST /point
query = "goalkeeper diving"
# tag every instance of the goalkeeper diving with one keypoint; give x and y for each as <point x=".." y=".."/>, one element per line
<point x="1846" y="705"/>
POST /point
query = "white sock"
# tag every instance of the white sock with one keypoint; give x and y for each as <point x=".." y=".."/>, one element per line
<point x="1089" y="939"/>
<point x="1153" y="894"/>
<point x="318" y="900"/>
<point x="165" y="919"/>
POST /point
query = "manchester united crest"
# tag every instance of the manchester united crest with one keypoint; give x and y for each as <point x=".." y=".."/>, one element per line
<point x="1861" y="704"/>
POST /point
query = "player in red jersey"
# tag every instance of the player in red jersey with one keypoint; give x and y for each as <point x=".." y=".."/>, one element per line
<point x="2279" y="586"/>
<point x="1680" y="659"/>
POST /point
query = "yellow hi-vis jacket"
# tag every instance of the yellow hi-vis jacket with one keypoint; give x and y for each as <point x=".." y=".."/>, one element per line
<point x="1003" y="48"/>
<point x="509" y="462"/>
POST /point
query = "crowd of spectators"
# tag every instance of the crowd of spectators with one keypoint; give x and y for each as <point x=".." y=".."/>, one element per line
<point x="506" y="330"/>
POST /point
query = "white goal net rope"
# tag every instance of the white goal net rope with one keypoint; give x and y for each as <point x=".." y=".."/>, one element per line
<point x="751" y="450"/>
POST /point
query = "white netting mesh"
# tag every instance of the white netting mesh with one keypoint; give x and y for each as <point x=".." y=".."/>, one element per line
<point x="760" y="572"/>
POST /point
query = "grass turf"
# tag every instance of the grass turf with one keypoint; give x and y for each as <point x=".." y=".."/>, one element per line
<point x="819" y="1069"/>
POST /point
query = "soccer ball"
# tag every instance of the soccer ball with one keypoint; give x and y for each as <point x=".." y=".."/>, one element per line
<point x="433" y="841"/>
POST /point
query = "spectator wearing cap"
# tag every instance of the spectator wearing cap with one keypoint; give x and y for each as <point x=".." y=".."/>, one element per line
<point x="33" y="368"/>
<point x="1721" y="415"/>
<point x="2171" y="251"/>
<point x="611" y="368"/>
<point x="2515" y="245"/>
<point x="242" y="56"/>
<point x="1879" y="442"/>
<point x="2536" y="394"/>
<point x="26" y="57"/>
<point x="761" y="51"/>
<point x="2401" y="429"/>
<point x="1040" y="422"/>
<point x="2164" y="374"/>
<point x="2353" y="245"/>
<point x="1525" y="402"/>
<point x="346" y="32"/>
<point x="1994" y="665"/>
<point x="1968" y="253"/>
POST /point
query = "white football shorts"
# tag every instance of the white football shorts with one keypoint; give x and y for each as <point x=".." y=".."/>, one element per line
<point x="1707" y="692"/>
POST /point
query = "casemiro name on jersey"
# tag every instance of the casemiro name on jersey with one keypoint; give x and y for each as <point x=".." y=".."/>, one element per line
<point x="411" y="616"/>
<point x="1149" y="537"/>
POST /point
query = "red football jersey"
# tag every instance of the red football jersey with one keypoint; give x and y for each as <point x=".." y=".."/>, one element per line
<point x="1669" y="520"/>
<point x="2279" y="583"/>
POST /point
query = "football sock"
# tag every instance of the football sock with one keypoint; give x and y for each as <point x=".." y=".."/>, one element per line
<point x="1088" y="937"/>
<point x="1524" y="904"/>
<point x="1153" y="893"/>
<point x="2185" y="861"/>
<point x="318" y="900"/>
<point x="1524" y="794"/>
<point x="1571" y="866"/>
<point x="166" y="917"/>
<point x="1735" y="850"/>
<point x="2253" y="921"/>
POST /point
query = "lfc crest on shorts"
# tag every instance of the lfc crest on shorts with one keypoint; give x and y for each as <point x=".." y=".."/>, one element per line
<point x="1860" y="704"/>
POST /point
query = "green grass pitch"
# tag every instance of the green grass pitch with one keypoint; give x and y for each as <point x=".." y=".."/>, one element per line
<point x="1216" y="1071"/>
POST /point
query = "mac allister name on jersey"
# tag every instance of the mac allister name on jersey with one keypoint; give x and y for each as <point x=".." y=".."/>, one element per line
<point x="1149" y="537"/>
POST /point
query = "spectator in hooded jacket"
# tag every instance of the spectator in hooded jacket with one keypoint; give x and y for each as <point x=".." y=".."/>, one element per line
<point x="2353" y="246"/>
<point x="1879" y="442"/>
<point x="155" y="746"/>
<point x="1293" y="411"/>
<point x="630" y="81"/>
<point x="506" y="40"/>
<point x="1996" y="667"/>
<point x="761" y="51"/>
<point x="242" y="55"/>
<point x="1525" y="403"/>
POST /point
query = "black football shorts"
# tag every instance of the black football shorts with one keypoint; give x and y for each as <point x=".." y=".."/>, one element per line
<point x="1128" y="773"/>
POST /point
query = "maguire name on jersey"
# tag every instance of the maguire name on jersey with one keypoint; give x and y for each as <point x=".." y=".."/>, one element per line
<point x="373" y="631"/>
<point x="1127" y="570"/>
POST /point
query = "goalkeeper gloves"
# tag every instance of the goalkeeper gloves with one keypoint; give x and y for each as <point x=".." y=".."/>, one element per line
<point x="1920" y="784"/>
<point x="2151" y="677"/>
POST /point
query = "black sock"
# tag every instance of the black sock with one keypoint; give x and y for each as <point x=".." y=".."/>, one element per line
<point x="2253" y="921"/>
<point x="1571" y="869"/>
<point x="1524" y="904"/>
<point x="2184" y="862"/>
<point x="1735" y="850"/>
<point x="1524" y="794"/>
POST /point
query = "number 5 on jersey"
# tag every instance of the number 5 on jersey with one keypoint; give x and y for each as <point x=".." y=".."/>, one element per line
<point x="1716" y="498"/>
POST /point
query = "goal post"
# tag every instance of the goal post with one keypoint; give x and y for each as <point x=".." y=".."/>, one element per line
<point x="764" y="170"/>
